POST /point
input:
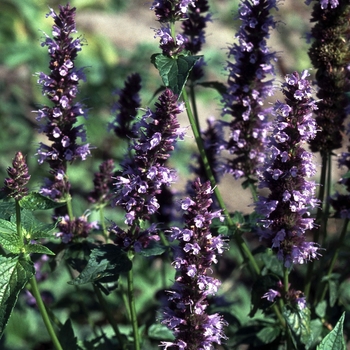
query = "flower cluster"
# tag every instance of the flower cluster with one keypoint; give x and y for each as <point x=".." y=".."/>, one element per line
<point x="330" y="55"/>
<point x="294" y="297"/>
<point x="248" y="87"/>
<point x="168" y="12"/>
<point x="75" y="228"/>
<point x="18" y="178"/>
<point x="126" y="107"/>
<point x="145" y="172"/>
<point x="186" y="314"/>
<point x="61" y="87"/>
<point x="284" y="173"/>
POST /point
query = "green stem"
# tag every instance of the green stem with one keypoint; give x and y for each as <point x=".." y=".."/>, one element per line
<point x="44" y="314"/>
<point x="325" y="215"/>
<point x="244" y="250"/>
<point x="103" y="224"/>
<point x="334" y="258"/>
<point x="69" y="207"/>
<point x="109" y="316"/>
<point x="18" y="222"/>
<point x="132" y="306"/>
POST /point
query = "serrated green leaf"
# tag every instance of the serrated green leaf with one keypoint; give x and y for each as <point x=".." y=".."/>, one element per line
<point x="105" y="261"/>
<point x="174" y="71"/>
<point x="36" y="201"/>
<point x="9" y="238"/>
<point x="15" y="273"/>
<point x="38" y="248"/>
<point x="298" y="322"/>
<point x="153" y="249"/>
<point x="7" y="209"/>
<point x="335" y="339"/>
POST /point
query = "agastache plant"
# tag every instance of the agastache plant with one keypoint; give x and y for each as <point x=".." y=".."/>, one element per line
<point x="249" y="84"/>
<point x="285" y="173"/>
<point x="61" y="88"/>
<point x="160" y="264"/>
<point x="198" y="249"/>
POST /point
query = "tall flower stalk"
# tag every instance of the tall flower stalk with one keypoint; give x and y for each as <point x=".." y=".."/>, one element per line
<point x="141" y="180"/>
<point x="58" y="121"/>
<point x="285" y="173"/>
<point x="248" y="88"/>
<point x="198" y="249"/>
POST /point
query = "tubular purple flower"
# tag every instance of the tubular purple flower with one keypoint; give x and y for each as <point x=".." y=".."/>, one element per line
<point x="248" y="87"/>
<point x="186" y="313"/>
<point x="286" y="209"/>
<point x="61" y="87"/>
<point x="171" y="10"/>
<point x="145" y="172"/>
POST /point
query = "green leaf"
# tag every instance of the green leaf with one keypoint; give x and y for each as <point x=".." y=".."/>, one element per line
<point x="38" y="248"/>
<point x="153" y="249"/>
<point x="174" y="71"/>
<point x="268" y="334"/>
<point x="321" y="309"/>
<point x="298" y="322"/>
<point x="335" y="339"/>
<point x="9" y="238"/>
<point x="67" y="338"/>
<point x="15" y="273"/>
<point x="36" y="201"/>
<point x="35" y="229"/>
<point x="7" y="209"/>
<point x="106" y="262"/>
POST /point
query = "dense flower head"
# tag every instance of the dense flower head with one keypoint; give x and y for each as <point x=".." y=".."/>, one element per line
<point x="103" y="181"/>
<point x="248" y="87"/>
<point x="286" y="209"/>
<point x="134" y="238"/>
<point x="61" y="88"/>
<point x="126" y="107"/>
<point x="197" y="250"/>
<point x="70" y="229"/>
<point x="15" y="184"/>
<point x="145" y="172"/>
<point x="171" y="10"/>
<point x="330" y="55"/>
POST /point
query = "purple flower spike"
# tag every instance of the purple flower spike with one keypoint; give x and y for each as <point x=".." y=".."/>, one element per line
<point x="286" y="209"/>
<point x="61" y="88"/>
<point x="186" y="314"/>
<point x="248" y="87"/>
<point x="145" y="173"/>
<point x="15" y="184"/>
<point x="171" y="10"/>
<point x="126" y="107"/>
